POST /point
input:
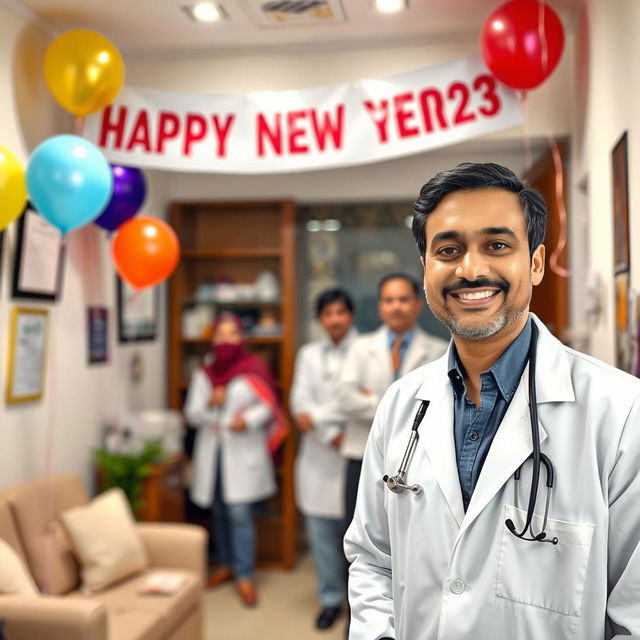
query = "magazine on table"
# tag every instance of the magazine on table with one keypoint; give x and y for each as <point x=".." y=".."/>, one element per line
<point x="162" y="583"/>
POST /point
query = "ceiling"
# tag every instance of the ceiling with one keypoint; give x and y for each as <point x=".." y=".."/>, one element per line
<point x="160" y="28"/>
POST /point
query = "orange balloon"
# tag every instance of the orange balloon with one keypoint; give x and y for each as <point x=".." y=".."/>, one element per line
<point x="145" y="251"/>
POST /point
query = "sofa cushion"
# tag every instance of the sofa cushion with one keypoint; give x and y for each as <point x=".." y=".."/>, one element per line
<point x="8" y="530"/>
<point x="172" y="609"/>
<point x="105" y="539"/>
<point x="14" y="575"/>
<point x="36" y="507"/>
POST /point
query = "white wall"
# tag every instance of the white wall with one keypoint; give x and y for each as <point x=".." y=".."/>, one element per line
<point x="392" y="180"/>
<point x="607" y="104"/>
<point x="77" y="396"/>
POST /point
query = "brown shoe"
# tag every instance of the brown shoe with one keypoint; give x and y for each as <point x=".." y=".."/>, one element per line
<point x="247" y="591"/>
<point x="220" y="575"/>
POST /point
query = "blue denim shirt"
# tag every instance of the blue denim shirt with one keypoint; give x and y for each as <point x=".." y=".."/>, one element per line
<point x="406" y="341"/>
<point x="475" y="427"/>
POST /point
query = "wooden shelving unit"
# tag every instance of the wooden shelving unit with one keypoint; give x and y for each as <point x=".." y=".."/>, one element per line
<point x="237" y="241"/>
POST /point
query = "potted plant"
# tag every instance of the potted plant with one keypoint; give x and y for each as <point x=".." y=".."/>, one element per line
<point x="128" y="470"/>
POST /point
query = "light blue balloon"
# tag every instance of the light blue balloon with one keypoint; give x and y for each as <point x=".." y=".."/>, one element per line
<point x="69" y="181"/>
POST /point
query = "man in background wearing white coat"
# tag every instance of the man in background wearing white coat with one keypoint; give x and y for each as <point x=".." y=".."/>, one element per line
<point x="320" y="470"/>
<point x="469" y="553"/>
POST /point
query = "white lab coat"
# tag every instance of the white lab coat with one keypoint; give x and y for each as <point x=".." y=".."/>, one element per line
<point x="247" y="468"/>
<point x="369" y="365"/>
<point x="423" y="569"/>
<point x="320" y="470"/>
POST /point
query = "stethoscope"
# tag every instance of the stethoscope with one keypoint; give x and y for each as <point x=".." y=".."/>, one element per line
<point x="398" y="482"/>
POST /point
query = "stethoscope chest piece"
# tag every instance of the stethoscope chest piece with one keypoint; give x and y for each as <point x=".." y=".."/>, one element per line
<point x="398" y="483"/>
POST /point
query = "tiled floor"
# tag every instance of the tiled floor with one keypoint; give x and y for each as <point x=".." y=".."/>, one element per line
<point x="287" y="609"/>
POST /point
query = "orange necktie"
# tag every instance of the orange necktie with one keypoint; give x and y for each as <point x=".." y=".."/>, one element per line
<point x="395" y="353"/>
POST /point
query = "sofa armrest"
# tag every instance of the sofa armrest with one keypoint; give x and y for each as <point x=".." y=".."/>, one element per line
<point x="53" y="618"/>
<point x="175" y="546"/>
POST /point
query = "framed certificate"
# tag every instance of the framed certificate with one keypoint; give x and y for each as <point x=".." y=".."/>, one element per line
<point x="27" y="354"/>
<point x="98" y="334"/>
<point x="39" y="258"/>
<point x="137" y="312"/>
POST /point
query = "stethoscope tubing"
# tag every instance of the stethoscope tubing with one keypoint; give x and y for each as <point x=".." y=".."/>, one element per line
<point x="397" y="483"/>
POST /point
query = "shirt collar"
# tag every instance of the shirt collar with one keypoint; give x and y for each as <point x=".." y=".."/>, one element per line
<point x="406" y="337"/>
<point x="329" y="345"/>
<point x="506" y="370"/>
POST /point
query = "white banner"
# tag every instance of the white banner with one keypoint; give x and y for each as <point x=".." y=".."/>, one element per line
<point x="278" y="131"/>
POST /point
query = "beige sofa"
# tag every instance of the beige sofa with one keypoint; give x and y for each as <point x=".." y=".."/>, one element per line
<point x="116" y="613"/>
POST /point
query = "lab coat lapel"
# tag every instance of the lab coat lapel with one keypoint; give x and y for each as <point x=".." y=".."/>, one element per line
<point x="436" y="435"/>
<point x="380" y="351"/>
<point x="511" y="446"/>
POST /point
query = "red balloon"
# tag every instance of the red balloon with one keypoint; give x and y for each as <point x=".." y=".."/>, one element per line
<point x="145" y="251"/>
<point x="521" y="43"/>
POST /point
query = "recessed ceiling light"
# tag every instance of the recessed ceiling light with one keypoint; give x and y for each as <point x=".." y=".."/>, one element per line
<point x="205" y="12"/>
<point x="390" y="6"/>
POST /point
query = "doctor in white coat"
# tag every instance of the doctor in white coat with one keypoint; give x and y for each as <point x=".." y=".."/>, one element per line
<point x="320" y="469"/>
<point x="232" y="402"/>
<point x="442" y="563"/>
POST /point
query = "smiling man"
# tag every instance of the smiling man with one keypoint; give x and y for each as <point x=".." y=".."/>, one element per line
<point x="514" y="514"/>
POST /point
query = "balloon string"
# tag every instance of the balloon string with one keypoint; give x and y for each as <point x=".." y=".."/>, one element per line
<point x="137" y="312"/>
<point x="48" y="449"/>
<point x="79" y="126"/>
<point x="544" y="47"/>
<point x="526" y="138"/>
<point x="562" y="210"/>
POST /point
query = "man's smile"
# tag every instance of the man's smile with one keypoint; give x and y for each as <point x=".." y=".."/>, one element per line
<point x="476" y="297"/>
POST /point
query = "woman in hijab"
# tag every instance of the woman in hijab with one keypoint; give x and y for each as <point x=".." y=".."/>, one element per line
<point x="232" y="400"/>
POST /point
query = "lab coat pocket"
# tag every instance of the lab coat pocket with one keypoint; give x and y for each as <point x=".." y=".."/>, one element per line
<point x="541" y="574"/>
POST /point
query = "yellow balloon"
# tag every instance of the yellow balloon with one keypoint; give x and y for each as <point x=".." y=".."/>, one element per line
<point x="84" y="71"/>
<point x="13" y="188"/>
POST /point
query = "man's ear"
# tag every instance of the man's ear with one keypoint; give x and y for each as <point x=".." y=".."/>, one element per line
<point x="537" y="265"/>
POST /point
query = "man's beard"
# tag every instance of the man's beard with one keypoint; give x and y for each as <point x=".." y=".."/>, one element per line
<point x="506" y="315"/>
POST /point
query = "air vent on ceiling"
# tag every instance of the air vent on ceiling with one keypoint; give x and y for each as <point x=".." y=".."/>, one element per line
<point x="298" y="13"/>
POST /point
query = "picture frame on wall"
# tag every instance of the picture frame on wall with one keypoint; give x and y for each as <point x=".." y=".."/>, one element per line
<point x="27" y="354"/>
<point x="620" y="190"/>
<point x="98" y="334"/>
<point x="39" y="258"/>
<point x="621" y="252"/>
<point x="138" y="312"/>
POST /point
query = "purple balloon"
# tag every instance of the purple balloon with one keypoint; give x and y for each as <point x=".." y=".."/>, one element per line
<point x="129" y="190"/>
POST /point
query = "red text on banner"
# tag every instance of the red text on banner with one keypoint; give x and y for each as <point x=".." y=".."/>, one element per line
<point x="150" y="134"/>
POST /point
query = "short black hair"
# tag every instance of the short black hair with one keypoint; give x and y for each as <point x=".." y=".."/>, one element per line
<point x="329" y="296"/>
<point x="399" y="275"/>
<point x="469" y="176"/>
